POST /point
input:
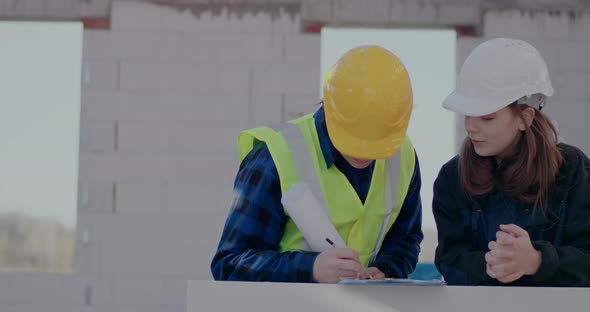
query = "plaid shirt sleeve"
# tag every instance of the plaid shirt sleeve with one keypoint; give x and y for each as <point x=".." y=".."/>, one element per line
<point x="248" y="249"/>
<point x="399" y="252"/>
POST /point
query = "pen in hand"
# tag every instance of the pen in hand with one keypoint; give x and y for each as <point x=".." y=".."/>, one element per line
<point x="330" y="242"/>
<point x="369" y="276"/>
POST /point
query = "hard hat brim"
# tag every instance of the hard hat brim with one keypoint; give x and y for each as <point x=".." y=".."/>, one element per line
<point x="350" y="145"/>
<point x="464" y="105"/>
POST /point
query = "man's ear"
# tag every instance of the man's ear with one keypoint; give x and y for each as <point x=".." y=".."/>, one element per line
<point x="528" y="114"/>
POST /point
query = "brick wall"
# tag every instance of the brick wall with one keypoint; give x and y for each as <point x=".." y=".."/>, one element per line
<point x="165" y="93"/>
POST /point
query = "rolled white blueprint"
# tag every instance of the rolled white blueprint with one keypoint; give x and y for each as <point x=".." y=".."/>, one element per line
<point x="311" y="218"/>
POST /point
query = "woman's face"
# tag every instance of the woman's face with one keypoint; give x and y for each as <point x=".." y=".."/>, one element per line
<point x="493" y="134"/>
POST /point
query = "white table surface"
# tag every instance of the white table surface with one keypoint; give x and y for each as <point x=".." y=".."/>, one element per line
<point x="206" y="295"/>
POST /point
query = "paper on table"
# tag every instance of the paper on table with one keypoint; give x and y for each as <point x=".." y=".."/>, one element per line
<point x="392" y="281"/>
<point x="311" y="218"/>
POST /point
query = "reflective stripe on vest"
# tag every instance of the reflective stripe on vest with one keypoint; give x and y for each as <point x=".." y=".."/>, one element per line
<point x="297" y="155"/>
<point x="304" y="167"/>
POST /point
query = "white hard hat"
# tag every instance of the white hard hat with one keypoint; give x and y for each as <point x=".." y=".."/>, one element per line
<point x="497" y="73"/>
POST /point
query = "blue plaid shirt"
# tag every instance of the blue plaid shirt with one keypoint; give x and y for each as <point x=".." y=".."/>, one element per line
<point x="248" y="250"/>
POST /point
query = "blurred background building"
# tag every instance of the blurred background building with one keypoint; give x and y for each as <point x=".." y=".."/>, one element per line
<point x="167" y="85"/>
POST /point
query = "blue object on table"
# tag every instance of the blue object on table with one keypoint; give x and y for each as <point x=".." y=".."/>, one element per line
<point x="425" y="271"/>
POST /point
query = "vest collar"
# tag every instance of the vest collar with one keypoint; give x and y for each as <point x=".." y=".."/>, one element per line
<point x="328" y="150"/>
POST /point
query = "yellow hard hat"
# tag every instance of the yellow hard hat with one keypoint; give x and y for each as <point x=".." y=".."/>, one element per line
<point x="368" y="102"/>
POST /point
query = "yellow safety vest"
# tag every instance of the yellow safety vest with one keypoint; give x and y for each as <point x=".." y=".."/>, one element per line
<point x="297" y="155"/>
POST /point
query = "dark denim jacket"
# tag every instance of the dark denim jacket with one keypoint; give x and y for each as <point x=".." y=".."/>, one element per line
<point x="485" y="217"/>
<point x="466" y="225"/>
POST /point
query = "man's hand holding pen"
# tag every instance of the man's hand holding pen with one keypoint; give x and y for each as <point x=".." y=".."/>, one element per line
<point x="335" y="263"/>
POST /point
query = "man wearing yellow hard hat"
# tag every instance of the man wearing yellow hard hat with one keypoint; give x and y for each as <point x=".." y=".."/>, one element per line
<point x="334" y="194"/>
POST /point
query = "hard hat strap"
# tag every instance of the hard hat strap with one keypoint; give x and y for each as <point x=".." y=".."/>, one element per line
<point x="536" y="100"/>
